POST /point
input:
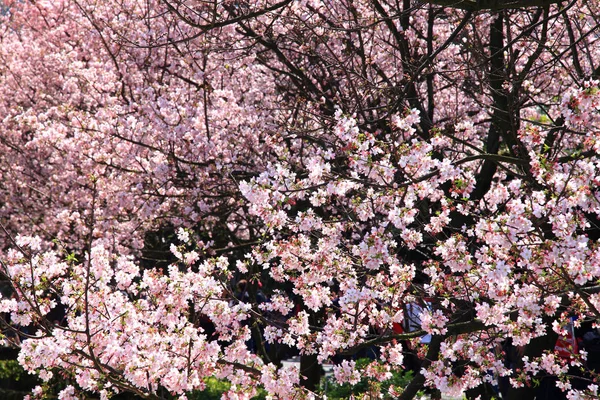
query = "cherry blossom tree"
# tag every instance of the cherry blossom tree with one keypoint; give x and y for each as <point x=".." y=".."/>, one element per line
<point x="352" y="158"/>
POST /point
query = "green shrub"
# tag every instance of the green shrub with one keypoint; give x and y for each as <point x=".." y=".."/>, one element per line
<point x="215" y="389"/>
<point x="10" y="369"/>
<point x="15" y="383"/>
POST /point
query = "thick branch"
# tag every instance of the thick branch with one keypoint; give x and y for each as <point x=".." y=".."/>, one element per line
<point x="478" y="5"/>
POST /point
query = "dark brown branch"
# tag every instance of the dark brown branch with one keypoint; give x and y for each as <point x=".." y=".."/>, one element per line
<point x="230" y="21"/>
<point x="479" y="5"/>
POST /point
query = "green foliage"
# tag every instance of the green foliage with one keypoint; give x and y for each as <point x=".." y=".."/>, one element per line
<point x="10" y="369"/>
<point x="215" y="389"/>
<point x="366" y="388"/>
<point x="15" y="383"/>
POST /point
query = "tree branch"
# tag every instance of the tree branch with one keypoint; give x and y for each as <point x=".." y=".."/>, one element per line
<point x="479" y="5"/>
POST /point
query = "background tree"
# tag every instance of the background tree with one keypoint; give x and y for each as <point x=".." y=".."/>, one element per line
<point x="353" y="157"/>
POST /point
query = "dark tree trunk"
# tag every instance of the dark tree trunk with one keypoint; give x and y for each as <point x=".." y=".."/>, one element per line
<point x="310" y="372"/>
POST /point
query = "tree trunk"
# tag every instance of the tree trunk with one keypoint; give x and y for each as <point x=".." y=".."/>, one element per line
<point x="310" y="372"/>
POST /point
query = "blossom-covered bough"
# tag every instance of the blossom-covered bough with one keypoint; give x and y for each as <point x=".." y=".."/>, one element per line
<point x="344" y="159"/>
